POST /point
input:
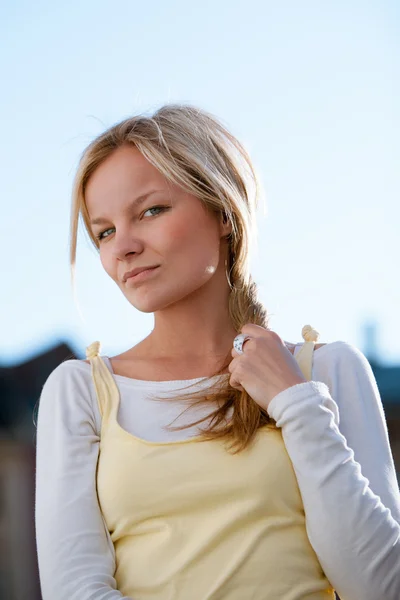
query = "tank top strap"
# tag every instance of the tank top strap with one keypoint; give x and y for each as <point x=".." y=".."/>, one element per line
<point x="106" y="389"/>
<point x="306" y="353"/>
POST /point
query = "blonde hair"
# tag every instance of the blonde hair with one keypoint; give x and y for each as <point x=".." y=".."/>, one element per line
<point x="192" y="149"/>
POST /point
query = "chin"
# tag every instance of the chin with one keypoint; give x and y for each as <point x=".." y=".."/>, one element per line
<point x="149" y="304"/>
<point x="153" y="302"/>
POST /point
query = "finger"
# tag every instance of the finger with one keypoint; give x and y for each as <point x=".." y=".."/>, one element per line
<point x="235" y="384"/>
<point x="232" y="365"/>
<point x="253" y="329"/>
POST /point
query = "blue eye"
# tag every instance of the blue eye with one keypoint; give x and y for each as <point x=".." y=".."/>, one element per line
<point x="156" y="207"/>
<point x="100" y="236"/>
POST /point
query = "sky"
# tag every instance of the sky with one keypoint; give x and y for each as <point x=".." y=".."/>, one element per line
<point x="310" y="88"/>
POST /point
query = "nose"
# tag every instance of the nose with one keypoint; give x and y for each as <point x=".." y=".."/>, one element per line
<point x="124" y="243"/>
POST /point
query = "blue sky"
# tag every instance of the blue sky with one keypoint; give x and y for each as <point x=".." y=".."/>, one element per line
<point x="311" y="88"/>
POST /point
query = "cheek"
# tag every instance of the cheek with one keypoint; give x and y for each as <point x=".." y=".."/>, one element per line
<point x="175" y="235"/>
<point x="189" y="235"/>
<point x="107" y="265"/>
<point x="194" y="251"/>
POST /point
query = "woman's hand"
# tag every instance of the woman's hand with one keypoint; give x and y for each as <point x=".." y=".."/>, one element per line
<point x="266" y="366"/>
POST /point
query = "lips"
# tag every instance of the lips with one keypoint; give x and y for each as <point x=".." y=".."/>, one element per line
<point x="138" y="270"/>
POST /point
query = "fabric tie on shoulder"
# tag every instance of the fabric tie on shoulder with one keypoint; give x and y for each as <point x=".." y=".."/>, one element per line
<point x="105" y="386"/>
<point x="93" y="350"/>
<point x="306" y="353"/>
<point x="309" y="334"/>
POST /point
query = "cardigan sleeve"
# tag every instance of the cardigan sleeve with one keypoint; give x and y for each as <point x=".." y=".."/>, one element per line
<point x="352" y="511"/>
<point x="75" y="553"/>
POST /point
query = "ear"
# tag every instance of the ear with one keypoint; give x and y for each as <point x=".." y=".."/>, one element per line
<point x="225" y="225"/>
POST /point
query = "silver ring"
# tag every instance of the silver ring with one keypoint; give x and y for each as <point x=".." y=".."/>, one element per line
<point x="239" y="341"/>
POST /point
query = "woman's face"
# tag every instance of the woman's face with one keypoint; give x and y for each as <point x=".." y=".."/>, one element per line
<point x="180" y="236"/>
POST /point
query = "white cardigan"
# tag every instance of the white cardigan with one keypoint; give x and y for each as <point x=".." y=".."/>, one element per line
<point x="335" y="434"/>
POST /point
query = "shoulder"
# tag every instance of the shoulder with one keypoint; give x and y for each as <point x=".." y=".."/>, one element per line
<point x="344" y="368"/>
<point x="340" y="353"/>
<point x="340" y="359"/>
<point x="70" y="378"/>
<point x="69" y="369"/>
<point x="68" y="396"/>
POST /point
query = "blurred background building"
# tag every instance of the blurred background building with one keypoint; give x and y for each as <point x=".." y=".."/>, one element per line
<point x="20" y="388"/>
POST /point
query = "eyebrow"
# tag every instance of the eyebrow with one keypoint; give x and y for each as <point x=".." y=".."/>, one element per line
<point x="136" y="202"/>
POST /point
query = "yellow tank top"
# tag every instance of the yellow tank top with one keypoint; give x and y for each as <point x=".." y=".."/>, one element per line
<point x="190" y="521"/>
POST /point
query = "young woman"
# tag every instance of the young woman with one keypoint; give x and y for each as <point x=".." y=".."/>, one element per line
<point x="212" y="460"/>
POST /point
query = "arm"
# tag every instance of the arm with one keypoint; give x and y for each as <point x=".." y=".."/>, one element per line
<point x="352" y="384"/>
<point x="75" y="553"/>
<point x="354" y="533"/>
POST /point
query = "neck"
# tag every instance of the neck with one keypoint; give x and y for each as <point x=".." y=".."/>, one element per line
<point x="198" y="327"/>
